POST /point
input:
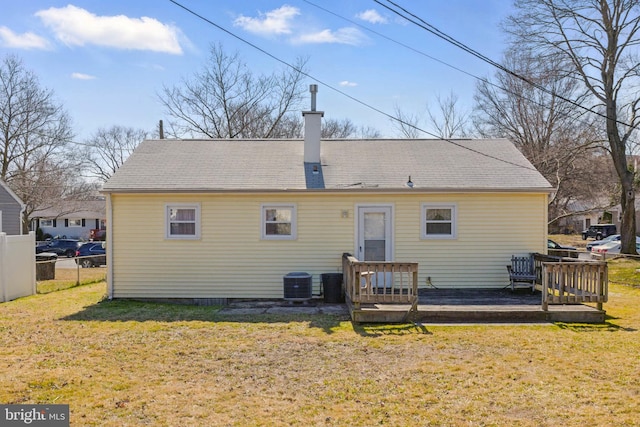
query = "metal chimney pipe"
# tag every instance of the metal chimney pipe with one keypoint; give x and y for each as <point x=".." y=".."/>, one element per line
<point x="313" y="89"/>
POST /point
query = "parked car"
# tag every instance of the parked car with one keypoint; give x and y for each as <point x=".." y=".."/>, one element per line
<point x="599" y="231"/>
<point x="66" y="247"/>
<point x="97" y="234"/>
<point x="612" y="238"/>
<point x="553" y="245"/>
<point x="91" y="254"/>
<point x="612" y="247"/>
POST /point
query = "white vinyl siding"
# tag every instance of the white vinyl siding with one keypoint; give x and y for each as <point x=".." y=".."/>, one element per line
<point x="230" y="260"/>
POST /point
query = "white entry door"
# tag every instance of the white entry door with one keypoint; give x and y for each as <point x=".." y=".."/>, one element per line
<point x="375" y="243"/>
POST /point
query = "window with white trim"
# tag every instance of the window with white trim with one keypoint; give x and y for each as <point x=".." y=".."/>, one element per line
<point x="278" y="222"/>
<point x="46" y="223"/>
<point x="182" y="221"/>
<point x="439" y="221"/>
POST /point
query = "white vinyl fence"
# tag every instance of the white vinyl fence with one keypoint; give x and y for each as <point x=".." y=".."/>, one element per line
<point x="17" y="266"/>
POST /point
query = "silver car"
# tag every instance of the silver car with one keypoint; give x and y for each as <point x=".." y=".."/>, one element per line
<point x="612" y="238"/>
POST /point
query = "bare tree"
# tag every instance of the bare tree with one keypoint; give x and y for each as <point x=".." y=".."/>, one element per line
<point x="52" y="184"/>
<point x="34" y="132"/>
<point x="333" y="128"/>
<point x="227" y="100"/>
<point x="345" y="128"/>
<point x="107" y="149"/>
<point x="449" y="121"/>
<point x="599" y="40"/>
<point x="407" y="124"/>
<point x="562" y="143"/>
<point x="446" y="120"/>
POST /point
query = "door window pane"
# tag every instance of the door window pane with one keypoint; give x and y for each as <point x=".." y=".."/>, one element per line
<point x="374" y="225"/>
<point x="374" y="250"/>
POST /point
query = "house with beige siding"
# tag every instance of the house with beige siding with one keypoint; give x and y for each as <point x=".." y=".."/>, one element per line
<point x="11" y="208"/>
<point x="218" y="219"/>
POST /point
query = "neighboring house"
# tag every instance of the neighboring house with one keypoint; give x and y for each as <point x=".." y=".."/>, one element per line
<point x="583" y="216"/>
<point x="11" y="208"/>
<point x="85" y="216"/>
<point x="208" y="219"/>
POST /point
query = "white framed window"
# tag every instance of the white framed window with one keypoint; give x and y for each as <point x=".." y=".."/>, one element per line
<point x="278" y="222"/>
<point x="182" y="221"/>
<point x="46" y="223"/>
<point x="439" y="221"/>
<point x="75" y="223"/>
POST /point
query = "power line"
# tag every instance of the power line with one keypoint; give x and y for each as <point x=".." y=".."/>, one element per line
<point x="419" y="52"/>
<point x="435" y="31"/>
<point x="480" y="79"/>
<point x="270" y="55"/>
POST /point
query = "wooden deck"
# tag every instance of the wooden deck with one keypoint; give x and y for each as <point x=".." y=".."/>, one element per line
<point x="476" y="305"/>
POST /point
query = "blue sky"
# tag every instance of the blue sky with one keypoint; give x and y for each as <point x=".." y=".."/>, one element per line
<point x="106" y="61"/>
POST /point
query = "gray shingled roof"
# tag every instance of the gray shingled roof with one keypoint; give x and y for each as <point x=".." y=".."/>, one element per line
<point x="384" y="164"/>
<point x="74" y="209"/>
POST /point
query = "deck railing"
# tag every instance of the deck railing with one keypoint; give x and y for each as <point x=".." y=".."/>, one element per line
<point x="380" y="282"/>
<point x="572" y="281"/>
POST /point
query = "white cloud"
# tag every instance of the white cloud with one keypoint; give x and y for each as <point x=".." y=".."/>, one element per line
<point x="370" y="15"/>
<point x="77" y="27"/>
<point x="277" y="21"/>
<point x="21" y="41"/>
<point x="351" y="36"/>
<point x="82" y="76"/>
<point x="347" y="83"/>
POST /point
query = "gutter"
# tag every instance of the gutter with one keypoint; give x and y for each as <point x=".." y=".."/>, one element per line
<point x="332" y="191"/>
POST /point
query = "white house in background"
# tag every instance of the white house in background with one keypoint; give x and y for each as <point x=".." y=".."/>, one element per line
<point x="209" y="219"/>
<point x="11" y="208"/>
<point x="85" y="216"/>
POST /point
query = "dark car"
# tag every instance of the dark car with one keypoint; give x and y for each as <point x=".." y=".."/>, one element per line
<point x="599" y="231"/>
<point x="557" y="246"/>
<point x="66" y="247"/>
<point x="92" y="254"/>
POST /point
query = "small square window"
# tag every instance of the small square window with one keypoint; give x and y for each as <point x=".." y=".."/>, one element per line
<point x="278" y="222"/>
<point x="183" y="221"/>
<point x="438" y="221"/>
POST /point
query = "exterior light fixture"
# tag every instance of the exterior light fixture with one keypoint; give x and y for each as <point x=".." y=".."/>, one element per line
<point x="409" y="182"/>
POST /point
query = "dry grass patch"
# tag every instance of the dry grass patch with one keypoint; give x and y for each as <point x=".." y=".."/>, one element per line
<point x="574" y="240"/>
<point x="624" y="271"/>
<point x="66" y="278"/>
<point x="125" y="363"/>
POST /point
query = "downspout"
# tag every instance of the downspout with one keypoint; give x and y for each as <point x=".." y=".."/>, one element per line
<point x="109" y="252"/>
<point x="23" y="208"/>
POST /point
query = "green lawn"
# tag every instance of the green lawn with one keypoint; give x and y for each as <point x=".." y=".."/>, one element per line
<point x="66" y="278"/>
<point x="144" y="364"/>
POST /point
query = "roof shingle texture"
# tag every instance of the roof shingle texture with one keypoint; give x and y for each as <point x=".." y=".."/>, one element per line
<point x="267" y="165"/>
